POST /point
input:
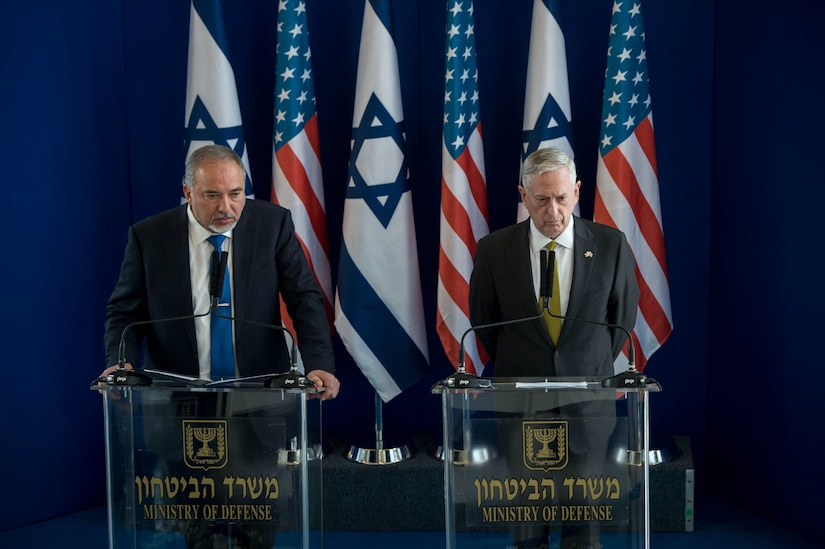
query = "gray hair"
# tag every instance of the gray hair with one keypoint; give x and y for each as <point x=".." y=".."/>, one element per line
<point x="209" y="153"/>
<point x="546" y="160"/>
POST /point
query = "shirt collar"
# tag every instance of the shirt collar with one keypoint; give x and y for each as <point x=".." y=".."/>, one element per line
<point x="197" y="232"/>
<point x="539" y="241"/>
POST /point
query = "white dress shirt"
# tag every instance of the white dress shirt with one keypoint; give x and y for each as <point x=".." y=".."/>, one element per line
<point x="564" y="259"/>
<point x="200" y="252"/>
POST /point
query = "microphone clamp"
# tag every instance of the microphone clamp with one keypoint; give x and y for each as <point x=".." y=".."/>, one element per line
<point x="288" y="380"/>
<point x="466" y="381"/>
<point x="124" y="377"/>
<point x="631" y="379"/>
<point x="462" y="380"/>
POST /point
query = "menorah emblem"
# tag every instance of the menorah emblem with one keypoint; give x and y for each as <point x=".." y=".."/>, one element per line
<point x="205" y="444"/>
<point x="545" y="436"/>
<point x="205" y="435"/>
<point x="545" y="444"/>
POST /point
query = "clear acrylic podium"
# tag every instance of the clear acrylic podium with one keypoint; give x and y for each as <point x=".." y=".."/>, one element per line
<point x="564" y="460"/>
<point x="211" y="467"/>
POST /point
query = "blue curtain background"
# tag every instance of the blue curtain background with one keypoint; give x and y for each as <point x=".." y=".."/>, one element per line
<point x="91" y="107"/>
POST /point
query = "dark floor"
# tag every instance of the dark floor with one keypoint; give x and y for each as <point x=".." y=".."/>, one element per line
<point x="717" y="525"/>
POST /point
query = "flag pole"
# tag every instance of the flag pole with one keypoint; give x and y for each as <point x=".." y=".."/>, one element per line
<point x="457" y="450"/>
<point x="379" y="455"/>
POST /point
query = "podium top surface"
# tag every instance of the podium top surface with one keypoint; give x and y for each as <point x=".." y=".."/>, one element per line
<point x="154" y="380"/>
<point x="621" y="383"/>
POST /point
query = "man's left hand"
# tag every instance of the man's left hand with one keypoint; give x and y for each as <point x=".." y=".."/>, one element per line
<point x="330" y="383"/>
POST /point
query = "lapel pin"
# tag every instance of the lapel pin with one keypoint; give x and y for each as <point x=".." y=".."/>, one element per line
<point x="588" y="254"/>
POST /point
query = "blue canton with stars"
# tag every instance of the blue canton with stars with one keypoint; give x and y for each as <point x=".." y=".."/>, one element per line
<point x="461" y="106"/>
<point x="382" y="197"/>
<point x="627" y="91"/>
<point x="294" y="90"/>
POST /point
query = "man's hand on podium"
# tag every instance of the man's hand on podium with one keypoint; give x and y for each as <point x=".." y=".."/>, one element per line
<point x="326" y="381"/>
<point x="107" y="372"/>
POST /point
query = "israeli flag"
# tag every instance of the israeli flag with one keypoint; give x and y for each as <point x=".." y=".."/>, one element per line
<point x="378" y="308"/>
<point x="213" y="114"/>
<point x="547" y="113"/>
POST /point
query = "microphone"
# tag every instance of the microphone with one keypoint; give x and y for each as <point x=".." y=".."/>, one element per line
<point x="219" y="261"/>
<point x="122" y="376"/>
<point x="461" y="378"/>
<point x="285" y="380"/>
<point x="631" y="377"/>
<point x="290" y="379"/>
<point x="544" y="290"/>
<point x="628" y="379"/>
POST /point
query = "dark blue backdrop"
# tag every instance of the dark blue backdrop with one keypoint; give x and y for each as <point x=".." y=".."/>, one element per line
<point x="92" y="96"/>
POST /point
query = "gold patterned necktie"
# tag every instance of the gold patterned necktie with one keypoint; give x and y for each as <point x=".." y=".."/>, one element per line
<point x="552" y="323"/>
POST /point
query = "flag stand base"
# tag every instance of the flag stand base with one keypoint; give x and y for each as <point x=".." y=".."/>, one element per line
<point x="459" y="456"/>
<point x="379" y="455"/>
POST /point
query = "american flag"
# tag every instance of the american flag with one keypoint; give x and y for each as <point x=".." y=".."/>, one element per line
<point x="379" y="313"/>
<point x="463" y="190"/>
<point x="627" y="186"/>
<point x="213" y="114"/>
<point x="547" y="114"/>
<point x="297" y="183"/>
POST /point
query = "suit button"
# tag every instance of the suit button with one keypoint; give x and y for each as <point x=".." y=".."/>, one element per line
<point x="556" y="354"/>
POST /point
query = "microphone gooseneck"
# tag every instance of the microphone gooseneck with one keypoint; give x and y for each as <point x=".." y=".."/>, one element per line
<point x="122" y="376"/>
<point x="293" y="352"/>
<point x="284" y="380"/>
<point x="627" y="379"/>
<point x="219" y="262"/>
<point x="461" y="378"/>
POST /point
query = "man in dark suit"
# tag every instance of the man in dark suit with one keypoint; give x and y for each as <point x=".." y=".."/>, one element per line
<point x="596" y="279"/>
<point x="595" y="282"/>
<point x="165" y="273"/>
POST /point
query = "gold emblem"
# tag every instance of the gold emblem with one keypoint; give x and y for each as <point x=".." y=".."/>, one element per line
<point x="205" y="444"/>
<point x="545" y="445"/>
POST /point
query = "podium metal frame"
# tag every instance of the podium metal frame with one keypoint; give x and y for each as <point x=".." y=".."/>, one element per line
<point x="229" y="462"/>
<point x="555" y="455"/>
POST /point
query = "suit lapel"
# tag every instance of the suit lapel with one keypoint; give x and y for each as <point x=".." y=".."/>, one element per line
<point x="245" y="237"/>
<point x="582" y="266"/>
<point x="175" y="245"/>
<point x="517" y="256"/>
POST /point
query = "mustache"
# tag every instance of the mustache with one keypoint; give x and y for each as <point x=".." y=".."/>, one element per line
<point x="223" y="216"/>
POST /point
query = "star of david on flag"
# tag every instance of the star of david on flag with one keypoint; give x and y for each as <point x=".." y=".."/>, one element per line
<point x="627" y="185"/>
<point x="379" y="313"/>
<point x="213" y="114"/>
<point x="547" y="113"/>
<point x="380" y="184"/>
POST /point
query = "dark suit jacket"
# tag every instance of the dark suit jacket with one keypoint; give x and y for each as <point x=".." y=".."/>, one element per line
<point x="604" y="289"/>
<point x="267" y="259"/>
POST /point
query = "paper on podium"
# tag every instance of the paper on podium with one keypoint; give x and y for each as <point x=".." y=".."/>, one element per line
<point x="551" y="385"/>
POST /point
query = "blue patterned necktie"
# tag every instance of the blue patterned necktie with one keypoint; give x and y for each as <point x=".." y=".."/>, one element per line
<point x="223" y="361"/>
